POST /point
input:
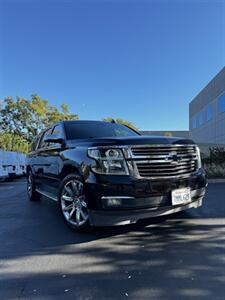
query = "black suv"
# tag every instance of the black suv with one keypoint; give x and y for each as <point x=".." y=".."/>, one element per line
<point x="103" y="173"/>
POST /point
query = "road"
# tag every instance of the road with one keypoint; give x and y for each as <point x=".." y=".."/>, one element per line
<point x="178" y="257"/>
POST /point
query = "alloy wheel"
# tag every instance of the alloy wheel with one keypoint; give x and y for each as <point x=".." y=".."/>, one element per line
<point x="74" y="206"/>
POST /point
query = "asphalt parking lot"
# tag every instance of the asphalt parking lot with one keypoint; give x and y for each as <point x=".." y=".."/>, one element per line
<point x="178" y="257"/>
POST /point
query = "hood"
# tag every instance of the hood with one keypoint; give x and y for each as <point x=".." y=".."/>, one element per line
<point x="133" y="140"/>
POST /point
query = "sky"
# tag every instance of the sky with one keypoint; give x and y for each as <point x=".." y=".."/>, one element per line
<point x="142" y="60"/>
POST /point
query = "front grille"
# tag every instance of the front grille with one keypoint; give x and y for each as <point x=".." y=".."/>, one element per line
<point x="156" y="161"/>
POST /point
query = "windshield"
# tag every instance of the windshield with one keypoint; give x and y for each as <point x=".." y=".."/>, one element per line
<point x="92" y="129"/>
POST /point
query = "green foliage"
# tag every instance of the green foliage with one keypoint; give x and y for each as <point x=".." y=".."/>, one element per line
<point x="121" y="121"/>
<point x="214" y="164"/>
<point x="216" y="156"/>
<point x="26" y="118"/>
<point x="13" y="142"/>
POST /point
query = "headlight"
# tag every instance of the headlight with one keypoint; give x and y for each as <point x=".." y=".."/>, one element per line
<point x="199" y="161"/>
<point x="108" y="161"/>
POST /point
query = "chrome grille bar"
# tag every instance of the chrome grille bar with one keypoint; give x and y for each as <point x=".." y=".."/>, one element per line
<point x="164" y="161"/>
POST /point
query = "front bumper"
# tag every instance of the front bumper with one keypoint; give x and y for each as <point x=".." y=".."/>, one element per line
<point x="141" y="198"/>
<point x="122" y="217"/>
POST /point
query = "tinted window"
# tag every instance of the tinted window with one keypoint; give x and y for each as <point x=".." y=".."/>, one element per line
<point x="83" y="130"/>
<point x="57" y="131"/>
<point x="222" y="103"/>
<point x="42" y="144"/>
<point x="209" y="112"/>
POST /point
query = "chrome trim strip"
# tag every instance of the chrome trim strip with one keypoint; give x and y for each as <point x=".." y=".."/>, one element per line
<point x="155" y="167"/>
<point x="148" y="169"/>
<point x="164" y="145"/>
<point x="182" y="156"/>
<point x="116" y="197"/>
<point x="46" y="195"/>
<point x="172" y="173"/>
<point x="160" y="161"/>
<point x="187" y="175"/>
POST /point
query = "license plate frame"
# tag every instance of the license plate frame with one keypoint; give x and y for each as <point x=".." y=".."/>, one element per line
<point x="181" y="196"/>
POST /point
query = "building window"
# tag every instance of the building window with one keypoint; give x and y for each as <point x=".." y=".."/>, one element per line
<point x="201" y="117"/>
<point x="209" y="112"/>
<point x="222" y="103"/>
<point x="194" y="122"/>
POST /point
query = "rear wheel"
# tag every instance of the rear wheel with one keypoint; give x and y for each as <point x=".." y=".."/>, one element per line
<point x="73" y="204"/>
<point x="33" y="195"/>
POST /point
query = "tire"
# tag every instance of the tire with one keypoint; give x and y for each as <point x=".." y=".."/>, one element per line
<point x="31" y="192"/>
<point x="72" y="203"/>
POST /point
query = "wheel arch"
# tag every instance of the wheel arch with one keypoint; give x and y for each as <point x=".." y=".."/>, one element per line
<point x="68" y="169"/>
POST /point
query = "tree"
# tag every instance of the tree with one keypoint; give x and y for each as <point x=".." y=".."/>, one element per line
<point x="27" y="118"/>
<point x="13" y="142"/>
<point x="121" y="121"/>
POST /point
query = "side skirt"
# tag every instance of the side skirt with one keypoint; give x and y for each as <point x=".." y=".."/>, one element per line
<point x="46" y="194"/>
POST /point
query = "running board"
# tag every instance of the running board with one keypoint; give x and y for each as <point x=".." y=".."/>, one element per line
<point x="46" y="194"/>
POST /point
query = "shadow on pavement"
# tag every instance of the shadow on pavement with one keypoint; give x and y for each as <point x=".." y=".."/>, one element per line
<point x="177" y="257"/>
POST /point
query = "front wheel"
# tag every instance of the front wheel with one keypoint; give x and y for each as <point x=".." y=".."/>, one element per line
<point x="73" y="204"/>
<point x="31" y="192"/>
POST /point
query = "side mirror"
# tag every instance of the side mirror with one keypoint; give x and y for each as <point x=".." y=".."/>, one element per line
<point x="54" y="139"/>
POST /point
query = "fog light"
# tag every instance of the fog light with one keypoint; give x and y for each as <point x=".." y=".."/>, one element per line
<point x="113" y="202"/>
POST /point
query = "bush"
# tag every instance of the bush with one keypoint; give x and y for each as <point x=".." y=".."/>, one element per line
<point x="13" y="142"/>
<point x="214" y="165"/>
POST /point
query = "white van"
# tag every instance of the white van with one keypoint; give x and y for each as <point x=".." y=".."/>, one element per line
<point x="10" y="163"/>
<point x="16" y="162"/>
<point x="3" y="169"/>
<point x="21" y="166"/>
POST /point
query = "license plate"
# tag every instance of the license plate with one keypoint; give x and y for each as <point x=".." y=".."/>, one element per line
<point x="181" y="196"/>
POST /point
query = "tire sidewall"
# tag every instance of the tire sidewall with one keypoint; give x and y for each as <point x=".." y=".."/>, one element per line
<point x="33" y="196"/>
<point x="84" y="227"/>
